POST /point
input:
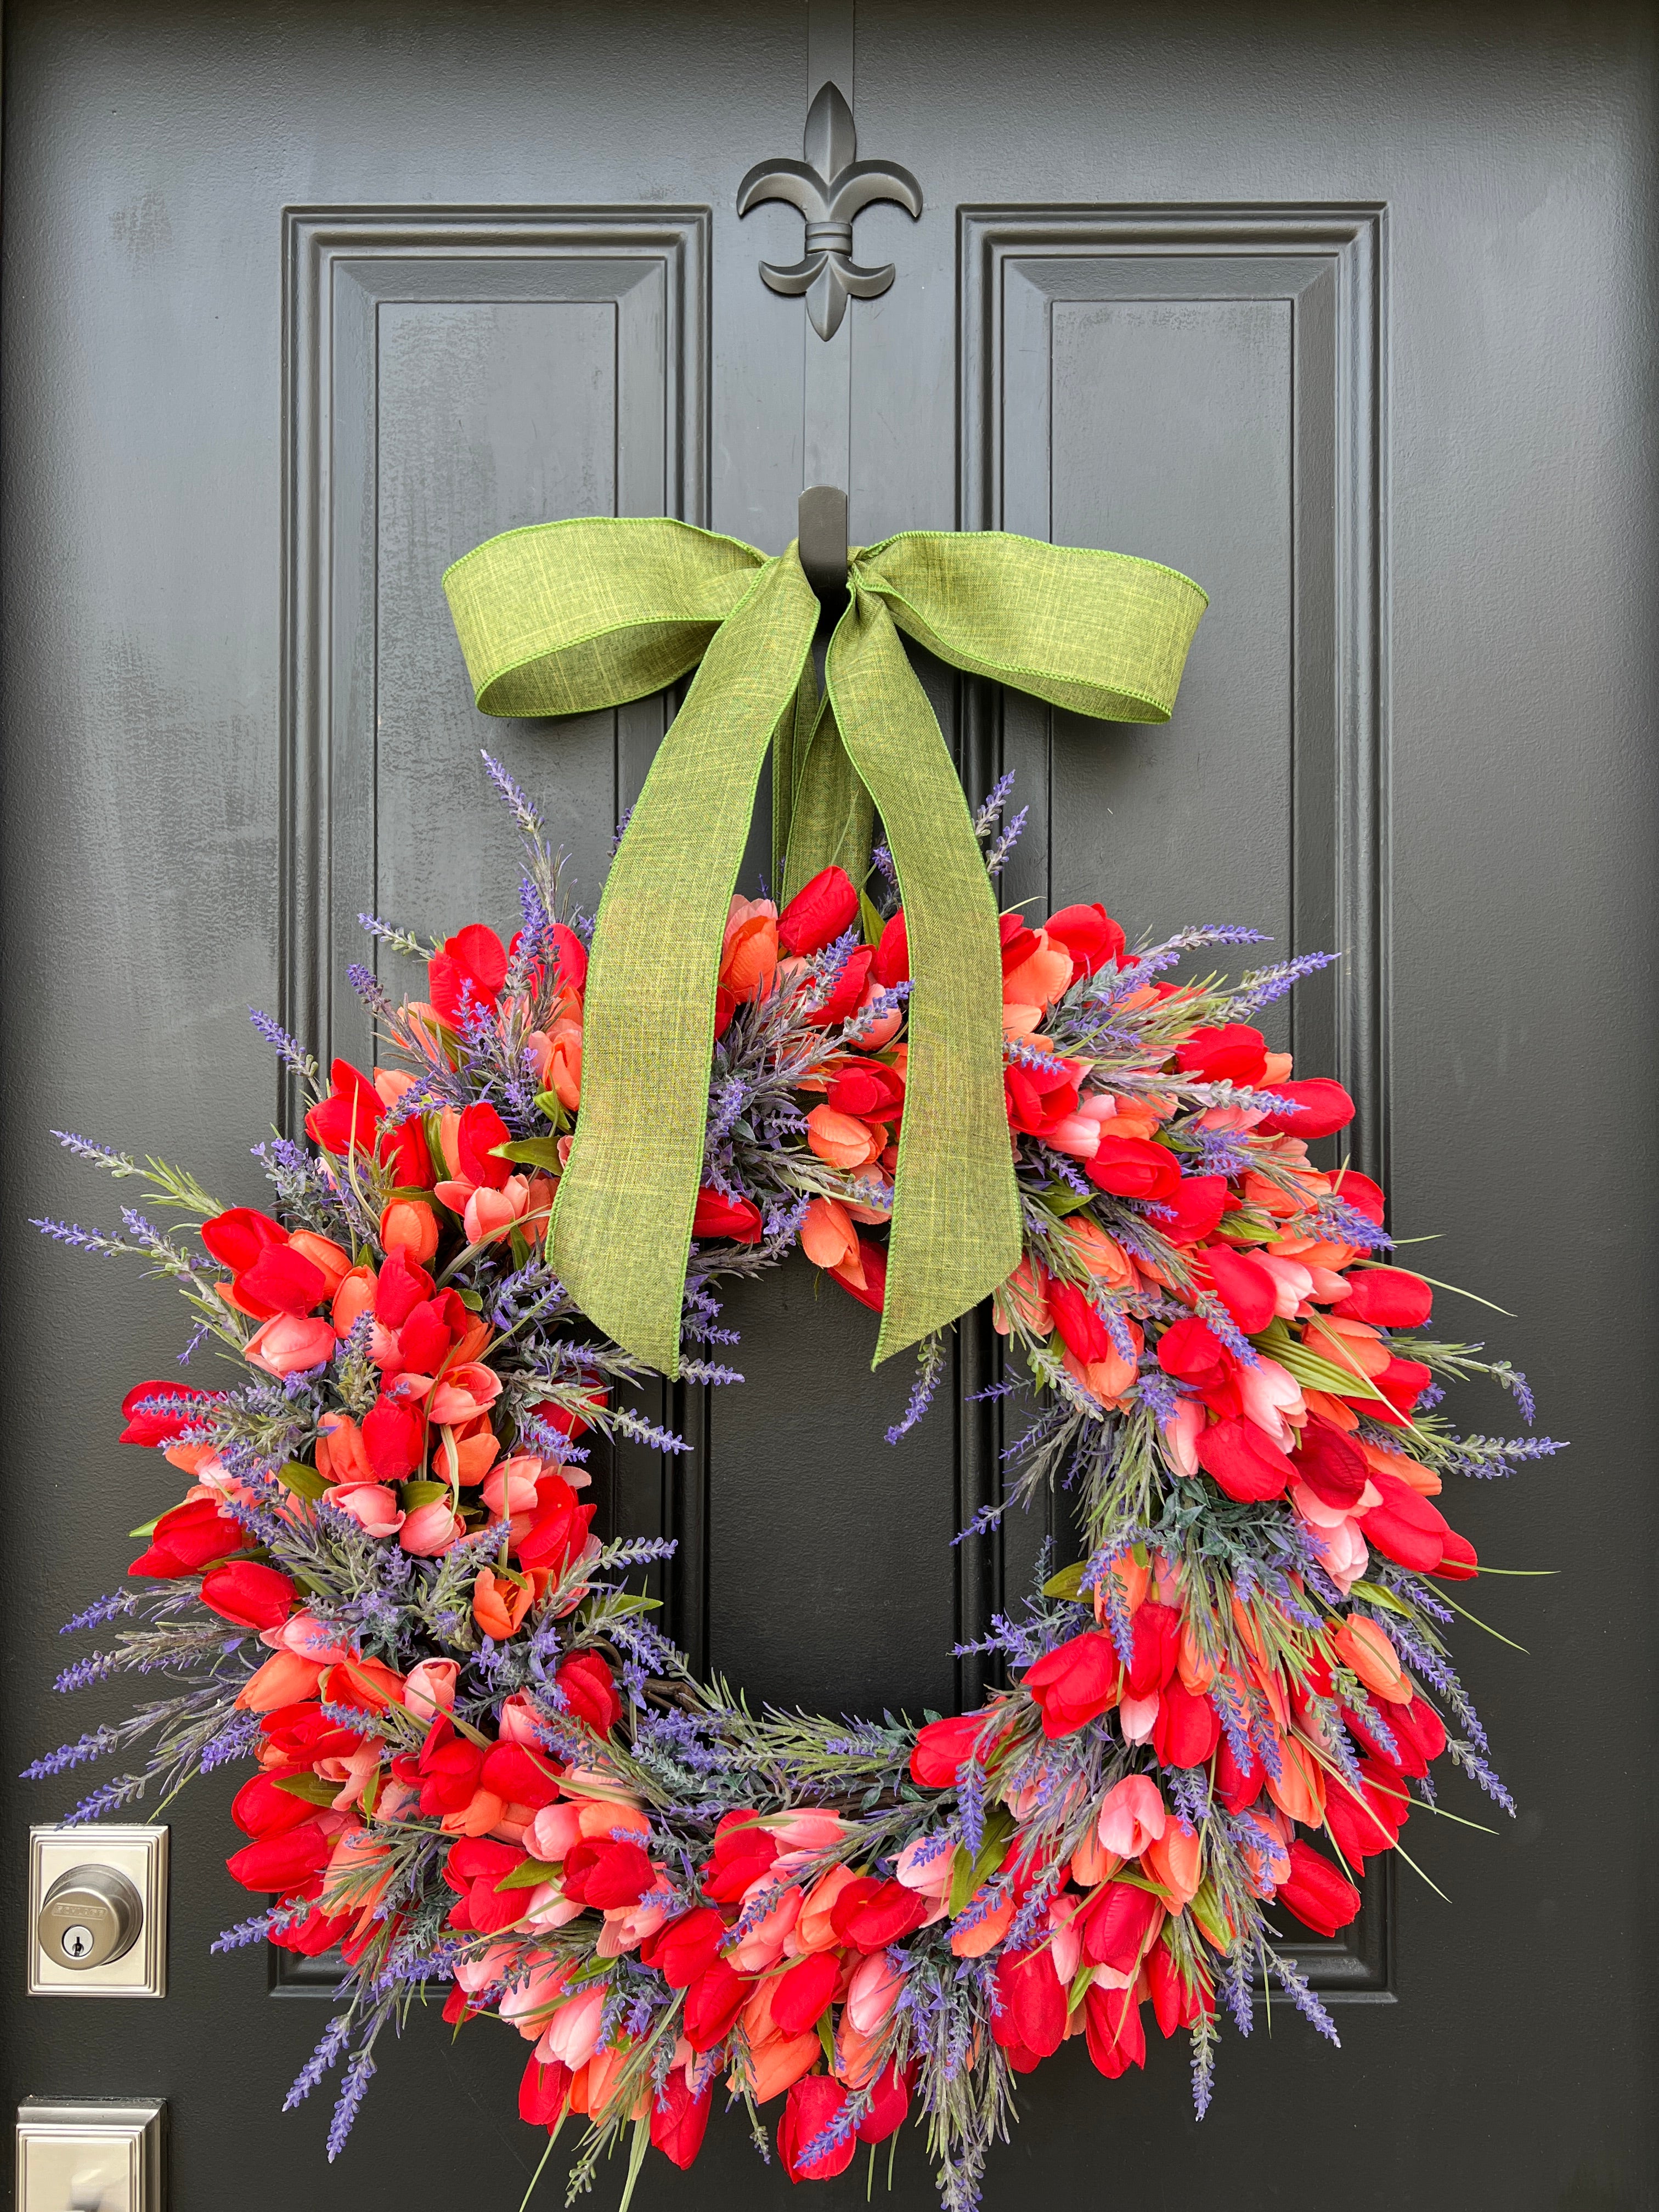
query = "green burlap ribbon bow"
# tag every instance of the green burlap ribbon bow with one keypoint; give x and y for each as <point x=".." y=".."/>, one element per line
<point x="566" y="618"/>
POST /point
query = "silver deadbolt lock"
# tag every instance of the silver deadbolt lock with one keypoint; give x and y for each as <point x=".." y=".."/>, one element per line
<point x="98" y="1912"/>
<point x="91" y="1916"/>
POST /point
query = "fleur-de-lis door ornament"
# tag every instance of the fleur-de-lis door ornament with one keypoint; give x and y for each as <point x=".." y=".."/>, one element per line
<point x="830" y="186"/>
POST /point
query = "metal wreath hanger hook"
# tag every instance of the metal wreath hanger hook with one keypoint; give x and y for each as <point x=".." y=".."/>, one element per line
<point x="829" y="187"/>
<point x="821" y="542"/>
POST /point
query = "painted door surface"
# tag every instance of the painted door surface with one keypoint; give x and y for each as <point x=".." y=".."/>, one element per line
<point x="1346" y="310"/>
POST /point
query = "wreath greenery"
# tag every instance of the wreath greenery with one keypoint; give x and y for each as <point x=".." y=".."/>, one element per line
<point x="478" y="1765"/>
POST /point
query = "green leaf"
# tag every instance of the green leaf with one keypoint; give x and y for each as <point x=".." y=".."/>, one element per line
<point x="304" y="1481"/>
<point x="869" y="921"/>
<point x="1060" y="1200"/>
<point x="1068" y="1583"/>
<point x="472" y="1300"/>
<point x="967" y="1875"/>
<point x="424" y="1494"/>
<point x="308" y="1786"/>
<point x="1374" y="1594"/>
<point x="148" y="1529"/>
<point x="531" y="1152"/>
<point x="529" y="1875"/>
<point x="553" y="1106"/>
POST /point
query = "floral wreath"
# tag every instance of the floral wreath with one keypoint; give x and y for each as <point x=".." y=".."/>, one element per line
<point x="478" y="1765"/>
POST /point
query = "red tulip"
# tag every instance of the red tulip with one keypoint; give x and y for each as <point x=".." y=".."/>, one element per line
<point x="393" y="1437"/>
<point x="1176" y="2002"/>
<point x="1244" y="1286"/>
<point x="1185" y="1730"/>
<point x="1238" y="1786"/>
<point x="801" y="1997"/>
<point x="731" y="1220"/>
<point x="1193" y="1212"/>
<point x="713" y="2002"/>
<point x="1402" y="1382"/>
<point x="743" y="1851"/>
<point x="590" y="1691"/>
<point x="1332" y="1468"/>
<point x="466" y="977"/>
<point x="1155" y="1648"/>
<point x="1033" y="2002"/>
<point x="284" y="1860"/>
<point x="479" y="1129"/>
<point x="1088" y="934"/>
<point x="891" y="965"/>
<point x="818" y="913"/>
<point x="401" y="1285"/>
<point x="569" y="958"/>
<point x="559" y="1531"/>
<point x="1317" y="1108"/>
<point x="813" y="2105"/>
<point x="1084" y="1334"/>
<point x="867" y="1090"/>
<point x="606" y="1873"/>
<point x="1388" y="1298"/>
<point x="1320" y="1898"/>
<point x="1192" y="1351"/>
<point x="848" y="991"/>
<point x="678" y="2120"/>
<point x="1235" y="1053"/>
<point x="1120" y="1924"/>
<point x="281" y="1280"/>
<point x="236" y="1238"/>
<point x="1074" y="1682"/>
<point x="187" y="1539"/>
<point x="1364" y="1196"/>
<point x="1366" y="1821"/>
<point x="869" y="1286"/>
<point x="542" y="2091"/>
<point x="407" y="1152"/>
<point x="943" y="1746"/>
<point x="348" y="1119"/>
<point x="889" y="2103"/>
<point x="520" y="1776"/>
<point x="687" y="1948"/>
<point x="1405" y="1526"/>
<point x="869" y="1914"/>
<point x="1133" y="1167"/>
<point x="251" y="1596"/>
<point x="1419" y="1733"/>
<point x="1113" y="2027"/>
<point x="262" y="1808"/>
<point x="1243" y="1460"/>
<point x="475" y="1869"/>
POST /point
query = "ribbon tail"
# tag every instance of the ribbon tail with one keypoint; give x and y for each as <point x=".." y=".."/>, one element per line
<point x="955" y="1231"/>
<point x="833" y="820"/>
<point x="621" y="1231"/>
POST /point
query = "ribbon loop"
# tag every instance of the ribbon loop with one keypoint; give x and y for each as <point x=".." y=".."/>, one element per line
<point x="565" y="617"/>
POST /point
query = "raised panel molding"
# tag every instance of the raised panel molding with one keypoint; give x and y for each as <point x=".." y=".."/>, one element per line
<point x="647" y="270"/>
<point x="593" y="324"/>
<point x="1298" y="295"/>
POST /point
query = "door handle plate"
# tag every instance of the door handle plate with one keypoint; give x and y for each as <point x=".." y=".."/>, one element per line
<point x="75" y="2157"/>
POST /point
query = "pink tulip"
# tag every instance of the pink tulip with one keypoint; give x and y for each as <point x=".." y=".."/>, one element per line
<point x="463" y="1395"/>
<point x="572" y="2036"/>
<point x="1269" y="1392"/>
<point x="925" y="1866"/>
<point x="510" y="1486"/>
<point x="518" y="1723"/>
<point x="555" y="1830"/>
<point x="490" y="1214"/>
<point x="809" y="1831"/>
<point x="873" y="1991"/>
<point x="1181" y="1435"/>
<point x="528" y="2004"/>
<point x="763" y="1947"/>
<point x="288" y="1344"/>
<point x="1132" y="1815"/>
<point x="430" y="1688"/>
<point x="372" y="1506"/>
<point x="627" y="1926"/>
<point x="429" y="1530"/>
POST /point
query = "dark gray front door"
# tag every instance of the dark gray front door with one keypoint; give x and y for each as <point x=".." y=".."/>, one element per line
<point x="1346" y="312"/>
